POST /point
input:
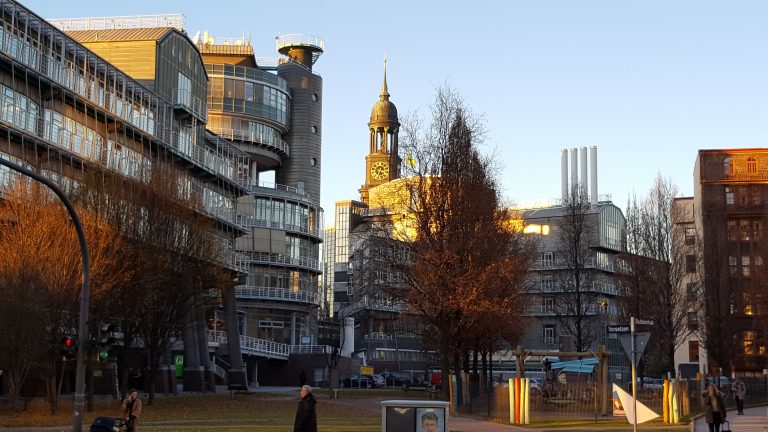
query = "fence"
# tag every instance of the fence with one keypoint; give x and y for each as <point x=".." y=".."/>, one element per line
<point x="581" y="399"/>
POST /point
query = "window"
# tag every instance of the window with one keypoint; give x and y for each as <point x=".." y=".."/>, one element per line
<point x="732" y="264"/>
<point x="548" y="283"/>
<point x="757" y="229"/>
<point x="549" y="334"/>
<point x="314" y="97"/>
<point x="729" y="199"/>
<point x="549" y="304"/>
<point x="690" y="263"/>
<point x="747" y="298"/>
<point x="749" y="342"/>
<point x="732" y="230"/>
<point x="744" y="230"/>
<point x="745" y="266"/>
<point x="751" y="165"/>
<point x="756" y="196"/>
<point x="693" y="351"/>
<point x="547" y="259"/>
<point x="692" y="291"/>
<point x="314" y="129"/>
<point x="184" y="91"/>
<point x="728" y="166"/>
<point x="690" y="236"/>
<point x="693" y="321"/>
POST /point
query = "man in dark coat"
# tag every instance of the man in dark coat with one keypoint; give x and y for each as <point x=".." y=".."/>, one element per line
<point x="306" y="416"/>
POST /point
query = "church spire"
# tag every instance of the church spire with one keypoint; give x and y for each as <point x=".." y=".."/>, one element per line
<point x="384" y="92"/>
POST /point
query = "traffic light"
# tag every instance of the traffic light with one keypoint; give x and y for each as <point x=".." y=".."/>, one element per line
<point x="69" y="347"/>
<point x="106" y="342"/>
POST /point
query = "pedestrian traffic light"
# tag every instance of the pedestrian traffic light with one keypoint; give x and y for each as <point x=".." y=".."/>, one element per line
<point x="106" y="342"/>
<point x="69" y="347"/>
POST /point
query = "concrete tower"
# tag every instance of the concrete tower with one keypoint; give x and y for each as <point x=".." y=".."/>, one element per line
<point x="302" y="168"/>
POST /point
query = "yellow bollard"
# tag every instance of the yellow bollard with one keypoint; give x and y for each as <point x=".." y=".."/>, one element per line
<point x="665" y="400"/>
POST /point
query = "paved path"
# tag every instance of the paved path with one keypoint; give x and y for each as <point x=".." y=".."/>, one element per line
<point x="753" y="420"/>
<point x="465" y="424"/>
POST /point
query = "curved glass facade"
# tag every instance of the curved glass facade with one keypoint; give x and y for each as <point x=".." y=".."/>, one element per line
<point x="248" y="91"/>
<point x="240" y="129"/>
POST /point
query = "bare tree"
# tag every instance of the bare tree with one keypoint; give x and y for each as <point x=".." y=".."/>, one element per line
<point x="663" y="267"/>
<point x="463" y="262"/>
<point x="577" y="235"/>
<point x="40" y="247"/>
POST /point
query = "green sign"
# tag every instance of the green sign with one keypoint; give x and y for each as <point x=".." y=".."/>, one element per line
<point x="98" y="373"/>
<point x="179" y="360"/>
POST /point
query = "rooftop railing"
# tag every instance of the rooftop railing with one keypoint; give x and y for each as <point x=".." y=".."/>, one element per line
<point x="177" y="21"/>
<point x="260" y="187"/>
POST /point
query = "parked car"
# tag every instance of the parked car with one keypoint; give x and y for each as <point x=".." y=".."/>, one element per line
<point x="358" y="381"/>
<point x="397" y="379"/>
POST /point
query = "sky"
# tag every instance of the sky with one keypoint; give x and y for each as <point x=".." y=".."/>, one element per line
<point x="647" y="82"/>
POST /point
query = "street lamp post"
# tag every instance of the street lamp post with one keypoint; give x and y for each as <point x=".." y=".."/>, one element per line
<point x="77" y="425"/>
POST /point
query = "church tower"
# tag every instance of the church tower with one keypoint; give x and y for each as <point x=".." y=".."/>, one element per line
<point x="382" y="163"/>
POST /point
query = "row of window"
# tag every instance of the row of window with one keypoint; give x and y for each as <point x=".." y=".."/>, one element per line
<point x="247" y="73"/>
<point x="750" y="165"/>
<point x="745" y="230"/>
<point x="281" y="278"/>
<point x="743" y="195"/>
<point x="286" y="215"/>
<point x="59" y="66"/>
<point x="747" y="262"/>
<point x="245" y="130"/>
<point x="252" y="93"/>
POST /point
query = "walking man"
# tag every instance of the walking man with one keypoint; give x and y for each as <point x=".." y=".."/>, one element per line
<point x="306" y="416"/>
<point x="739" y="391"/>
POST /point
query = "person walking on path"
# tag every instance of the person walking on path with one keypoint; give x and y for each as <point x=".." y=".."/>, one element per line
<point x="306" y="416"/>
<point x="715" y="408"/>
<point x="132" y="411"/>
<point x="739" y="390"/>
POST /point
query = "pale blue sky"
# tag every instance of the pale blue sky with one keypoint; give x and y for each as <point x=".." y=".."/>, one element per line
<point x="648" y="82"/>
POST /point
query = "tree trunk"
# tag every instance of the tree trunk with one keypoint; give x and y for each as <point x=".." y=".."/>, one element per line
<point x="445" y="367"/>
<point x="458" y="392"/>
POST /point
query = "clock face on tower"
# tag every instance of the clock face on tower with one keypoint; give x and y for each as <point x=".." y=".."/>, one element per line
<point x="379" y="170"/>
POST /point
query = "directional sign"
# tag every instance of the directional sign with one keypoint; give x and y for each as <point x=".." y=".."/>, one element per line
<point x="641" y="340"/>
<point x="618" y="328"/>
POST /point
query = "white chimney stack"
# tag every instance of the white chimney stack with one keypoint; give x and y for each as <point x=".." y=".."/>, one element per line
<point x="564" y="173"/>
<point x="574" y="170"/>
<point x="584" y="181"/>
<point x="593" y="173"/>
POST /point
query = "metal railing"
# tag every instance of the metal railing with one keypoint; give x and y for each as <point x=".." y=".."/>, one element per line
<point x="194" y="105"/>
<point x="280" y="294"/>
<point x="177" y="21"/>
<point x="300" y="40"/>
<point x="547" y="310"/>
<point x="278" y="258"/>
<point x="253" y="137"/>
<point x="555" y="287"/>
<point x="311" y="349"/>
<point x="252" y="221"/>
<point x="558" y="264"/>
<point x="254" y="346"/>
<point x="262" y="187"/>
<point x="379" y="336"/>
<point x="373" y="303"/>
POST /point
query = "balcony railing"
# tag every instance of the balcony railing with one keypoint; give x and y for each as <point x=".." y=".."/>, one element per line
<point x="184" y="99"/>
<point x="554" y="287"/>
<point x="253" y="137"/>
<point x="546" y="310"/>
<point x="260" y="187"/>
<point x="373" y="303"/>
<point x="249" y="257"/>
<point x="253" y="346"/>
<point x="278" y="294"/>
<point x="560" y="264"/>
<point x="378" y="336"/>
<point x="311" y="349"/>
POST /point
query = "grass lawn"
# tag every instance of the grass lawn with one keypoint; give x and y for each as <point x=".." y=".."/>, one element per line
<point x="355" y="410"/>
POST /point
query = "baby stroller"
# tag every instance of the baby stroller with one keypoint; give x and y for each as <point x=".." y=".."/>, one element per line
<point x="107" y="424"/>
